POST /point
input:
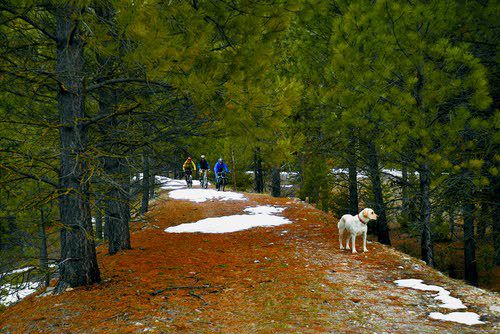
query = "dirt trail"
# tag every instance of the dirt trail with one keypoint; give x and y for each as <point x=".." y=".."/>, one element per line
<point x="289" y="278"/>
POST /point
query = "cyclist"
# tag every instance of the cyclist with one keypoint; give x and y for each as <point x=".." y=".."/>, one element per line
<point x="188" y="167"/>
<point x="203" y="167"/>
<point x="219" y="168"/>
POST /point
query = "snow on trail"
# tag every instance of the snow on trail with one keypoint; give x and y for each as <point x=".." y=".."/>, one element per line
<point x="443" y="295"/>
<point x="259" y="216"/>
<point x="202" y="195"/>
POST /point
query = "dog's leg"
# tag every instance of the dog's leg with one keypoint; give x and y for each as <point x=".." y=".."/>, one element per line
<point x="364" y="243"/>
<point x="341" y="237"/>
<point x="353" y="238"/>
<point x="347" y="241"/>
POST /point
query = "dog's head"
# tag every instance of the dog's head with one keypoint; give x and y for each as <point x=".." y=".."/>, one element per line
<point x="369" y="214"/>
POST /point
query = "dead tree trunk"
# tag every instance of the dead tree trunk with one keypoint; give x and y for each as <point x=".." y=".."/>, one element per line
<point x="78" y="264"/>
<point x="382" y="226"/>
<point x="426" y="246"/>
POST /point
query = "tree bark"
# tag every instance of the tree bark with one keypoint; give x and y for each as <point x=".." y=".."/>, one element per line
<point x="380" y="209"/>
<point x="145" y="182"/>
<point x="276" y="182"/>
<point x="495" y="213"/>
<point x="44" y="261"/>
<point x="353" y="175"/>
<point x="469" y="244"/>
<point x="233" y="169"/>
<point x="78" y="264"/>
<point x="259" y="178"/>
<point x="405" y="205"/>
<point x="426" y="246"/>
<point x="118" y="206"/>
<point x="98" y="224"/>
<point x="152" y="178"/>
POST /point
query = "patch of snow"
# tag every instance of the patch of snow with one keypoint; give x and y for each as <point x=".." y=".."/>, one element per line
<point x="264" y="209"/>
<point x="467" y="318"/>
<point x="173" y="184"/>
<point x="18" y="271"/>
<point x="228" y="224"/>
<point x="443" y="295"/>
<point x="15" y="292"/>
<point x="202" y="195"/>
<point x="495" y="308"/>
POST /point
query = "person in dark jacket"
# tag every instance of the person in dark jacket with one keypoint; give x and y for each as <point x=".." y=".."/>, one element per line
<point x="204" y="168"/>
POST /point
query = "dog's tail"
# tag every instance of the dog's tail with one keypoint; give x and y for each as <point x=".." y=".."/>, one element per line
<point x="341" y="224"/>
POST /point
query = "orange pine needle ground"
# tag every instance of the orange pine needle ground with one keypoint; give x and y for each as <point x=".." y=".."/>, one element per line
<point x="259" y="280"/>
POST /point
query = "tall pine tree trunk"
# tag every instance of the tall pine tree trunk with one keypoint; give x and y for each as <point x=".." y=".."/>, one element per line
<point x="146" y="182"/>
<point x="276" y="182"/>
<point x="78" y="264"/>
<point x="495" y="213"/>
<point x="470" y="271"/>
<point x="44" y="258"/>
<point x="380" y="209"/>
<point x="259" y="177"/>
<point x="98" y="224"/>
<point x="117" y="177"/>
<point x="118" y="206"/>
<point x="152" y="178"/>
<point x="353" y="175"/>
<point x="407" y="216"/>
<point x="426" y="246"/>
<point x="233" y="169"/>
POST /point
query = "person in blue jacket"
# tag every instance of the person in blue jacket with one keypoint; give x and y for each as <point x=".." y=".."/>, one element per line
<point x="220" y="166"/>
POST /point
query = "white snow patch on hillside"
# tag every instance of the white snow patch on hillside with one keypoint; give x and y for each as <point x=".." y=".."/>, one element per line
<point x="466" y="318"/>
<point x="12" y="293"/>
<point x="18" y="271"/>
<point x="202" y="195"/>
<point x="258" y="216"/>
<point x="443" y="295"/>
<point x="264" y="209"/>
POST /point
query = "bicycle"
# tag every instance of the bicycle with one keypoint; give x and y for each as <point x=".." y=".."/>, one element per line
<point x="221" y="181"/>
<point x="204" y="179"/>
<point x="189" y="178"/>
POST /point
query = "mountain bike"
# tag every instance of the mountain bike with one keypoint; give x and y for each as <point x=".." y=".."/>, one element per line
<point x="189" y="178"/>
<point x="204" y="179"/>
<point x="221" y="181"/>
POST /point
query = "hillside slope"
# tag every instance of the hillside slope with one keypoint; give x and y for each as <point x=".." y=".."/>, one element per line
<point x="288" y="278"/>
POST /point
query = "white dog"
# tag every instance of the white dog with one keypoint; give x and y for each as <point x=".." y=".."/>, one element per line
<point x="354" y="226"/>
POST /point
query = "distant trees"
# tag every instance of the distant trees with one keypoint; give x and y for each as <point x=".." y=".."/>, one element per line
<point x="400" y="89"/>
